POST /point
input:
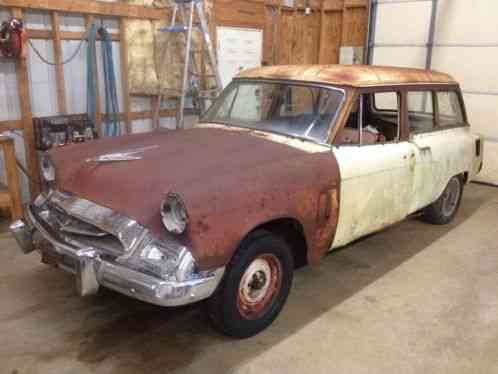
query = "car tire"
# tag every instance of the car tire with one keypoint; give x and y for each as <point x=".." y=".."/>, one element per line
<point x="254" y="288"/>
<point x="444" y="209"/>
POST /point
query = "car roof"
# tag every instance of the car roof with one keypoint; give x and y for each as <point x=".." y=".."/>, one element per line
<point x="350" y="75"/>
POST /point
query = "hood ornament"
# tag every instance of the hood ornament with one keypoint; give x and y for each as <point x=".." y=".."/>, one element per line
<point x="128" y="155"/>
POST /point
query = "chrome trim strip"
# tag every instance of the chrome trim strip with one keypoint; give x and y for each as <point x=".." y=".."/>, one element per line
<point x="127" y="155"/>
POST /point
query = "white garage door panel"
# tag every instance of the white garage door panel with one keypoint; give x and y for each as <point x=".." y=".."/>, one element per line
<point x="400" y="56"/>
<point x="402" y="23"/>
<point x="475" y="68"/>
<point x="483" y="114"/>
<point x="467" y="21"/>
<point x="75" y="76"/>
<point x="42" y="78"/>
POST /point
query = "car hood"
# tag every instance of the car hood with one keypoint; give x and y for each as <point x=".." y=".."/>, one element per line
<point x="195" y="163"/>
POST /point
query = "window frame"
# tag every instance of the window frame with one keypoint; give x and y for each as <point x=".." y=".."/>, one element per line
<point x="405" y="133"/>
<point x="459" y="96"/>
<point x="435" y="111"/>
<point x="367" y="104"/>
<point x="435" y="88"/>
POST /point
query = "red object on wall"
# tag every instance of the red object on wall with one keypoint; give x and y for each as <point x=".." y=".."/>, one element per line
<point x="13" y="38"/>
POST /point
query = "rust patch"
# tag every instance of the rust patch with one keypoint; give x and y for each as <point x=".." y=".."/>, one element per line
<point x="349" y="75"/>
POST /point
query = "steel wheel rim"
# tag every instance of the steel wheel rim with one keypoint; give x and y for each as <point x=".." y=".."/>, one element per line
<point x="259" y="285"/>
<point x="450" y="197"/>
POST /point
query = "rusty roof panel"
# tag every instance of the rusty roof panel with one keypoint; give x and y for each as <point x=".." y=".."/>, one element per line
<point x="349" y="75"/>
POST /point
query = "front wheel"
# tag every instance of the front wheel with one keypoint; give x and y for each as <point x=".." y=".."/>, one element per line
<point x="254" y="288"/>
<point x="444" y="209"/>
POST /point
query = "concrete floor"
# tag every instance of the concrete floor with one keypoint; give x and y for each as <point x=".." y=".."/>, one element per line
<point x="415" y="298"/>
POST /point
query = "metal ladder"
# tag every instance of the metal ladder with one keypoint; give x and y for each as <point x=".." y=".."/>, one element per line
<point x="192" y="74"/>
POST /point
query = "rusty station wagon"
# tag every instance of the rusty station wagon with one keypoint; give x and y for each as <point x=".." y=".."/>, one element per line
<point x="289" y="163"/>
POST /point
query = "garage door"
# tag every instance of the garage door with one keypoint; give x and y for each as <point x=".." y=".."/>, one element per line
<point x="465" y="45"/>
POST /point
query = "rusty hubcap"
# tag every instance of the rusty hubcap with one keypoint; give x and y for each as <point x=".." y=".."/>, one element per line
<point x="259" y="285"/>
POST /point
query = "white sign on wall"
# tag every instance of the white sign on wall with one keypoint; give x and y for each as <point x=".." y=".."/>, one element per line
<point x="238" y="49"/>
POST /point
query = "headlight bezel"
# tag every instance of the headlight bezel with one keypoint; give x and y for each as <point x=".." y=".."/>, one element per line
<point x="47" y="168"/>
<point x="174" y="215"/>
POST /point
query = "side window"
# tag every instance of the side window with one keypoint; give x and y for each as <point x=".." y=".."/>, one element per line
<point x="374" y="119"/>
<point x="385" y="101"/>
<point x="450" y="110"/>
<point x="420" y="111"/>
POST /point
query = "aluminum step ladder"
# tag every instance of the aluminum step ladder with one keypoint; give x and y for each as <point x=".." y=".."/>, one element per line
<point x="182" y="21"/>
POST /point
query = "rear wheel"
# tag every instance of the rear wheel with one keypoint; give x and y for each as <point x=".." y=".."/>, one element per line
<point x="444" y="209"/>
<point x="254" y="288"/>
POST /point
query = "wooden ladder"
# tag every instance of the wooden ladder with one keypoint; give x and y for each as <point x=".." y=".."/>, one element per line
<point x="194" y="76"/>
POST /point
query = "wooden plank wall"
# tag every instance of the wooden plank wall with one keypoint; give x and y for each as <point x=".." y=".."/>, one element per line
<point x="289" y="36"/>
<point x="317" y="37"/>
<point x="292" y="37"/>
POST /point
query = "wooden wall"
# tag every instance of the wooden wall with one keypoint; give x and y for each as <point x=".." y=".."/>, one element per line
<point x="291" y="36"/>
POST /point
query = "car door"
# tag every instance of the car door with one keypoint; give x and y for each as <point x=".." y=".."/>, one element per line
<point x="376" y="173"/>
<point x="422" y="126"/>
<point x="442" y="143"/>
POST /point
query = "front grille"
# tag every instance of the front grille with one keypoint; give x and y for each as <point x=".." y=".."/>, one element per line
<point x="72" y="225"/>
<point x="80" y="233"/>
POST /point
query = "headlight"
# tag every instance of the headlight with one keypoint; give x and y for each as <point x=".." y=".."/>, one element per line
<point x="174" y="214"/>
<point x="47" y="169"/>
<point x="167" y="263"/>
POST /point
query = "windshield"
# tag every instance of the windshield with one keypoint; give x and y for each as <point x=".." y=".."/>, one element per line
<point x="287" y="108"/>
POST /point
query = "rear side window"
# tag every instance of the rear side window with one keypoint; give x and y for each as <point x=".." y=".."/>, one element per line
<point x="385" y="101"/>
<point x="420" y="111"/>
<point x="450" y="110"/>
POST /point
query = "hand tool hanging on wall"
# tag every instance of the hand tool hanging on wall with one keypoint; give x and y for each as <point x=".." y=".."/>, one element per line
<point x="112" y="124"/>
<point x="13" y="38"/>
<point x="191" y="72"/>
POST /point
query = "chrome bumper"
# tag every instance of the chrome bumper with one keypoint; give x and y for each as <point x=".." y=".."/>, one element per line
<point x="92" y="271"/>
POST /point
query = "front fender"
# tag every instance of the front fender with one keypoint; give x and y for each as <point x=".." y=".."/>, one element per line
<point x="221" y="219"/>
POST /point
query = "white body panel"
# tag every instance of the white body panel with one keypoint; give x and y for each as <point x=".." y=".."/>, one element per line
<point x="439" y="156"/>
<point x="376" y="188"/>
<point x="382" y="184"/>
